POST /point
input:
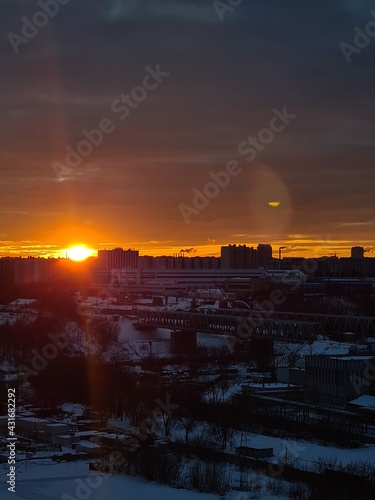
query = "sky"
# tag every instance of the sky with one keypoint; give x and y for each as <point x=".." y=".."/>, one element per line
<point x="206" y="77"/>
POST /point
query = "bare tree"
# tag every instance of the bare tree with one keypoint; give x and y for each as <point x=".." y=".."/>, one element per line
<point x="221" y="432"/>
<point x="166" y="422"/>
<point x="187" y="424"/>
<point x="105" y="333"/>
<point x="216" y="393"/>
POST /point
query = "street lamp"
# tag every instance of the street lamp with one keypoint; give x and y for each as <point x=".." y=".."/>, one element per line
<point x="280" y="248"/>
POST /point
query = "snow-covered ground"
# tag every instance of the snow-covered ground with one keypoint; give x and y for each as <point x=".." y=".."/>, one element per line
<point x="12" y="316"/>
<point x="304" y="454"/>
<point x="43" y="479"/>
<point x="46" y="480"/>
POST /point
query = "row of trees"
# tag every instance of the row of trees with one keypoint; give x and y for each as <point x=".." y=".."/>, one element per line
<point x="20" y="340"/>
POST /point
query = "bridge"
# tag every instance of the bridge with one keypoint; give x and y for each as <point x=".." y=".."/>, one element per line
<point x="259" y="328"/>
<point x="264" y="322"/>
<point x="334" y="324"/>
<point x="329" y="323"/>
<point x="240" y="324"/>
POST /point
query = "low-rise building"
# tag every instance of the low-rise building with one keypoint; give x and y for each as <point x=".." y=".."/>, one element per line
<point x="336" y="380"/>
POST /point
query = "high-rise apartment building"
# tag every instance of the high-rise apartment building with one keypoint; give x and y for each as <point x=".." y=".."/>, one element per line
<point x="117" y="258"/>
<point x="244" y="257"/>
<point x="264" y="255"/>
<point x="357" y="253"/>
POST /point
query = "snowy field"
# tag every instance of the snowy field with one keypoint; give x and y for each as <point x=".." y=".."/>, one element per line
<point x="45" y="480"/>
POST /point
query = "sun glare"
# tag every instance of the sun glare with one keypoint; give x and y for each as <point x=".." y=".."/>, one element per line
<point x="79" y="253"/>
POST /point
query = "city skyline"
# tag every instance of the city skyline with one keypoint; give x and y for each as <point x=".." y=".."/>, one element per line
<point x="162" y="126"/>
<point x="83" y="252"/>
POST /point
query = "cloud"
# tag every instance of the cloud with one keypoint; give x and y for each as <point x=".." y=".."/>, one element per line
<point x="354" y="224"/>
<point x="186" y="11"/>
<point x="225" y="80"/>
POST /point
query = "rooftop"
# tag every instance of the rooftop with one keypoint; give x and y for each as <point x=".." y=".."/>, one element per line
<point x="364" y="401"/>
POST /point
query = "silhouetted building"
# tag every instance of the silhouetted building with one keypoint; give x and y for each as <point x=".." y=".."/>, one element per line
<point x="348" y="286"/>
<point x="205" y="263"/>
<point x="350" y="267"/>
<point x="238" y="257"/>
<point x="264" y="255"/>
<point x="327" y="266"/>
<point x="244" y="287"/>
<point x="292" y="263"/>
<point x="34" y="270"/>
<point x="178" y="262"/>
<point x="357" y="253"/>
<point x="117" y="259"/>
<point x="145" y="261"/>
<point x="228" y="257"/>
<point x="6" y="272"/>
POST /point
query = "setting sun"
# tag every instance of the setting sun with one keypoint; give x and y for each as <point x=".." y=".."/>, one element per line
<point x="79" y="253"/>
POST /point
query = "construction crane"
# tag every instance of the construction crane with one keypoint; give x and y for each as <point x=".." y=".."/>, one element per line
<point x="231" y="301"/>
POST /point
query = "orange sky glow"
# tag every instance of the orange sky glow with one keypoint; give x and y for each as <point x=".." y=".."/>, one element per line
<point x="216" y="89"/>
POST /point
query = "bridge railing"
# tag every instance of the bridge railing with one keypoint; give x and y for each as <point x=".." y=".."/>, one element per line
<point x="330" y="324"/>
<point x="242" y="327"/>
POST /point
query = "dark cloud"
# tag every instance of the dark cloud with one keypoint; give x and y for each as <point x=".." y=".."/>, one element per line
<point x="225" y="80"/>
